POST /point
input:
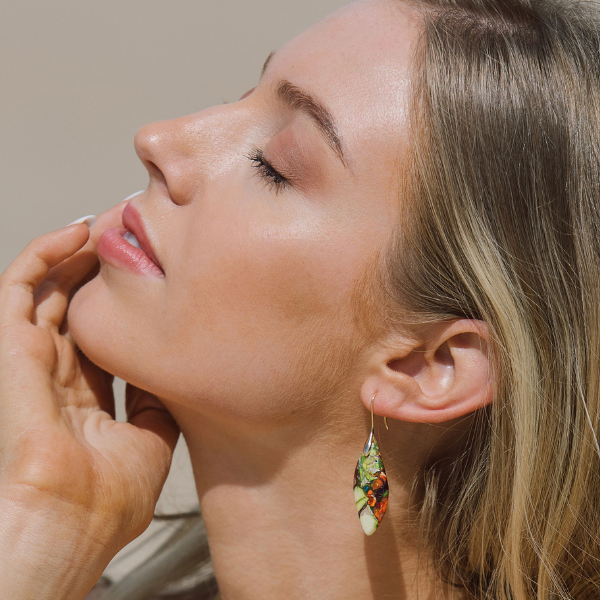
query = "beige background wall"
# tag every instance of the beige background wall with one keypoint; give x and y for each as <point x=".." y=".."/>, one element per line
<point x="78" y="78"/>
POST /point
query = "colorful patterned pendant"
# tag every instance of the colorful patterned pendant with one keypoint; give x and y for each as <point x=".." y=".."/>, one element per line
<point x="371" y="490"/>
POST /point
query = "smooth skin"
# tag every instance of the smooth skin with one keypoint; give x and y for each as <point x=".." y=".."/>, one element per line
<point x="252" y="340"/>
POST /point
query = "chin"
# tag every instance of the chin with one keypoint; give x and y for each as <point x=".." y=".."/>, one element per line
<point x="104" y="328"/>
<point x="91" y="328"/>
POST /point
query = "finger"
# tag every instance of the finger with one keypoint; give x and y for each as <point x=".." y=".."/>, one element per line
<point x="147" y="412"/>
<point x="70" y="272"/>
<point x="156" y="436"/>
<point x="30" y="268"/>
<point x="100" y="384"/>
<point x="53" y="296"/>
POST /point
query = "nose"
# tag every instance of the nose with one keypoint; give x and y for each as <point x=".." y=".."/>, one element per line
<point x="163" y="147"/>
<point x="183" y="154"/>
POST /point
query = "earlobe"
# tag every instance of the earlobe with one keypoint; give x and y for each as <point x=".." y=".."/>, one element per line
<point x="443" y="376"/>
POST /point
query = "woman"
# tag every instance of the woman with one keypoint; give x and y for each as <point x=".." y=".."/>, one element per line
<point x="401" y="217"/>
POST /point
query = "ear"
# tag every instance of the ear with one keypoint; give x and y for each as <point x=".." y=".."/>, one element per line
<point x="444" y="375"/>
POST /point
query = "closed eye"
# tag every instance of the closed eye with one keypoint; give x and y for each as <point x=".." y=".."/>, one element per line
<point x="272" y="177"/>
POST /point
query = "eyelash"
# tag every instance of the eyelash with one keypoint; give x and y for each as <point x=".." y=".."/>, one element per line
<point x="273" y="178"/>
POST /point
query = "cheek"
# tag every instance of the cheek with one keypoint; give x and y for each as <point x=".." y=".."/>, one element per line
<point x="263" y="282"/>
<point x="251" y="316"/>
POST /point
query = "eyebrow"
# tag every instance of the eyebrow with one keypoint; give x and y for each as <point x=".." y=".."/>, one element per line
<point x="296" y="99"/>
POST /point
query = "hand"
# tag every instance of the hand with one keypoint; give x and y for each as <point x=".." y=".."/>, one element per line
<point x="75" y="485"/>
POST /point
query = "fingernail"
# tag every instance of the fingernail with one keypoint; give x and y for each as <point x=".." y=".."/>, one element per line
<point x="133" y="195"/>
<point x="89" y="220"/>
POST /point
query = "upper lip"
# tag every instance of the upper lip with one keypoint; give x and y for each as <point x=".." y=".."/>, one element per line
<point x="132" y="221"/>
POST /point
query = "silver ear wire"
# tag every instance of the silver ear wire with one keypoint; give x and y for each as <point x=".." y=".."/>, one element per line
<point x="370" y="440"/>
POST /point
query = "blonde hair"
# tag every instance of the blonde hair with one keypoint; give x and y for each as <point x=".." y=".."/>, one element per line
<point x="502" y="224"/>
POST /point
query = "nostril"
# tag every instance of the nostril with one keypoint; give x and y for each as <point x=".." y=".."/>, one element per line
<point x="164" y="184"/>
<point x="155" y="173"/>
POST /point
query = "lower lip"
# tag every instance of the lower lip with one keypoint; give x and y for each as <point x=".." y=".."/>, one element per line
<point x="114" y="249"/>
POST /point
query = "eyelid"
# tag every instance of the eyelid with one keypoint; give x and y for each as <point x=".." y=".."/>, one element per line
<point x="274" y="177"/>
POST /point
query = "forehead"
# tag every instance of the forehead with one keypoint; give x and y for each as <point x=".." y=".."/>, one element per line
<point x="357" y="62"/>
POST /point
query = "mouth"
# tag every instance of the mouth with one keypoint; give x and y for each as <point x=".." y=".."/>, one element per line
<point x="136" y="233"/>
<point x="129" y="246"/>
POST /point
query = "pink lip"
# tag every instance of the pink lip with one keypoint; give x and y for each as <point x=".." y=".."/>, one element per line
<point x="132" y="221"/>
<point x="113" y="248"/>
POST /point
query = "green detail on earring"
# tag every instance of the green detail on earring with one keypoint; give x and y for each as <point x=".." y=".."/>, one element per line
<point x="371" y="490"/>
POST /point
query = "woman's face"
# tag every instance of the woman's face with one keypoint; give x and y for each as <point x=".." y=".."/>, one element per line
<point x="264" y="215"/>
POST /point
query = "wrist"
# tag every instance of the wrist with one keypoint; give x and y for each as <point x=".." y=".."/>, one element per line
<point x="49" y="551"/>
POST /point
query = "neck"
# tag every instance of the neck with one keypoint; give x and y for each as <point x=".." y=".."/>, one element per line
<point x="281" y="517"/>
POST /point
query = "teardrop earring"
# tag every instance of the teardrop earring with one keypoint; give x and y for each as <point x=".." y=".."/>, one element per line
<point x="371" y="490"/>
